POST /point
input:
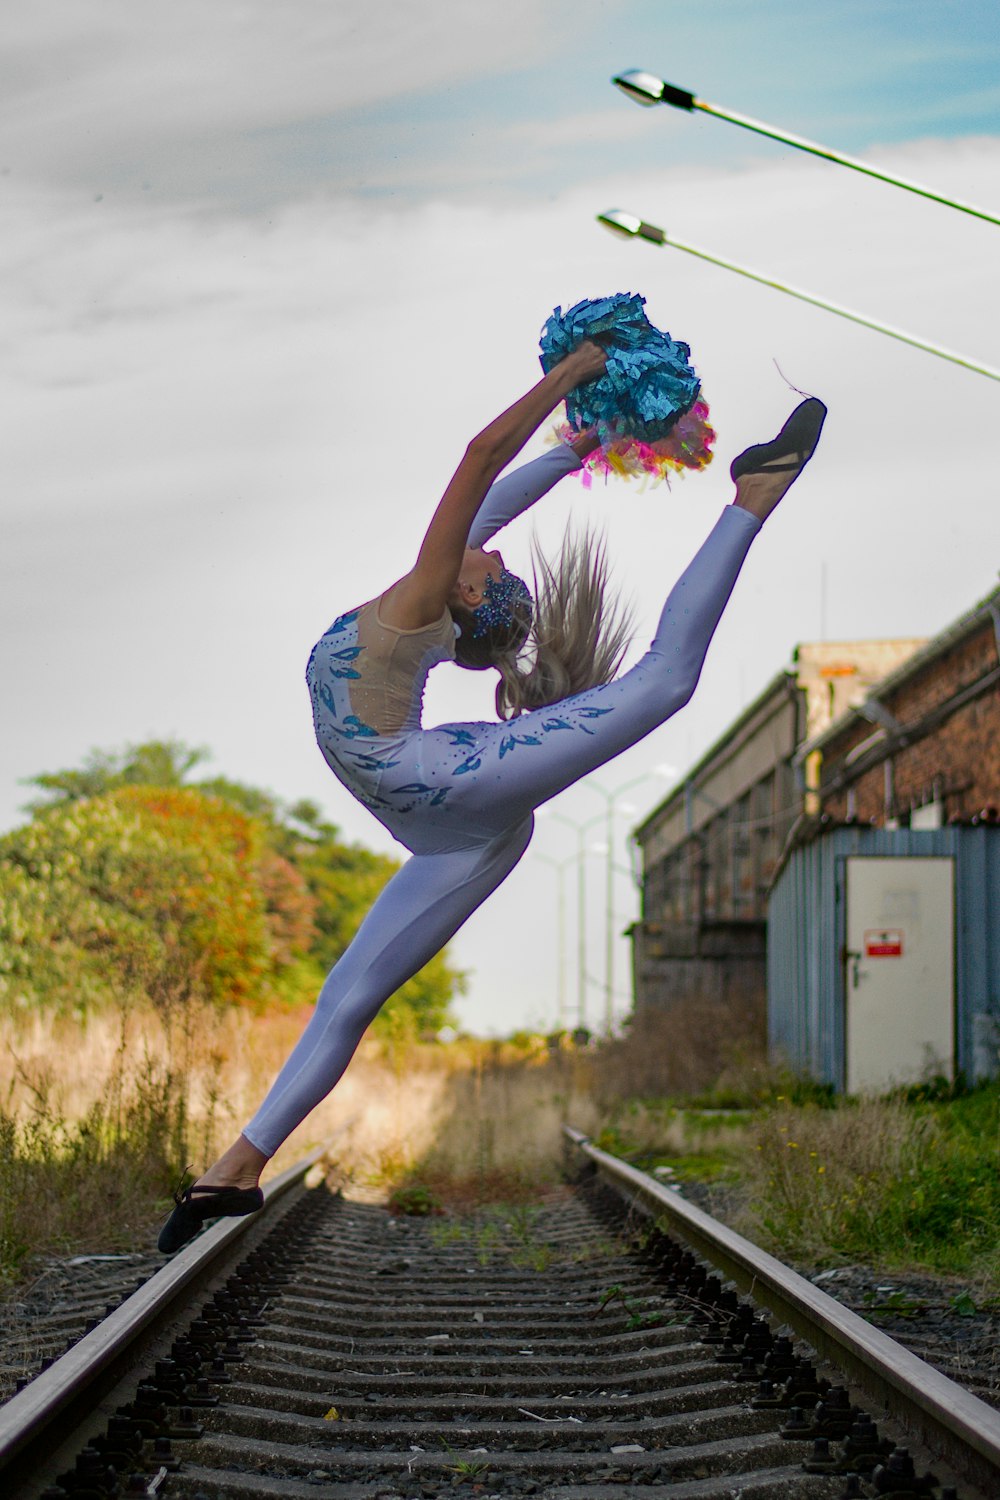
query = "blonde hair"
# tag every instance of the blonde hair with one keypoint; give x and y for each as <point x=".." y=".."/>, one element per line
<point x="579" y="632"/>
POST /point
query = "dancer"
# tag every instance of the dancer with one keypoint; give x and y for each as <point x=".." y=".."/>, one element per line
<point x="460" y="797"/>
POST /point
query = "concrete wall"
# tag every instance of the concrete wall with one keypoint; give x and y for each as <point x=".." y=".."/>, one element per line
<point x="723" y="964"/>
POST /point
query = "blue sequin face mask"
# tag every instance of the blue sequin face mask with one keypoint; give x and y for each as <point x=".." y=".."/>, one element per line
<point x="501" y="597"/>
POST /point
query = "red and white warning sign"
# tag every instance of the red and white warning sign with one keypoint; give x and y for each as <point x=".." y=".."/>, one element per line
<point x="884" y="944"/>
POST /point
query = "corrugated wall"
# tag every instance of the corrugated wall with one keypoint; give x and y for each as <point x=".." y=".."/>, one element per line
<point x="805" y="934"/>
<point x="977" y="935"/>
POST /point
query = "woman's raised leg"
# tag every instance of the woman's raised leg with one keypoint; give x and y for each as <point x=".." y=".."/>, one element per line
<point x="485" y="777"/>
<point x="607" y="720"/>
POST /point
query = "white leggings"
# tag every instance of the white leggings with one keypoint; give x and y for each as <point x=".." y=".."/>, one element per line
<point x="471" y="822"/>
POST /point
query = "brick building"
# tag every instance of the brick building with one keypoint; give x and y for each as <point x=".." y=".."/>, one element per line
<point x="923" y="748"/>
<point x="710" y="850"/>
<point x="883" y="936"/>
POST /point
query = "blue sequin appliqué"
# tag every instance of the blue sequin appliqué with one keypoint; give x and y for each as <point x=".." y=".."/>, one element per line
<point x="590" y="713"/>
<point x="572" y="719"/>
<point x="367" y="762"/>
<point x="420" y="788"/>
<point x="355" y="728"/>
<point x="511" y="741"/>
<point x="342" y="622"/>
<point x="349" y="653"/>
<point x="471" y="763"/>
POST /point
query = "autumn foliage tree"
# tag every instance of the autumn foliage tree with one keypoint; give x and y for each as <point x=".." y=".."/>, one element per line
<point x="158" y="890"/>
<point x="210" y="891"/>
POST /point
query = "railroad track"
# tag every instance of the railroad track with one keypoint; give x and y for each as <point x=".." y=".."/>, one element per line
<point x="575" y="1350"/>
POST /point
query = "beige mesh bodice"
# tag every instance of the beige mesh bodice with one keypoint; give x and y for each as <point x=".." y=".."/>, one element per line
<point x="392" y="668"/>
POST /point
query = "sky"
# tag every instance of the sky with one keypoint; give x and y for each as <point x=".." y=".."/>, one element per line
<point x="266" y="270"/>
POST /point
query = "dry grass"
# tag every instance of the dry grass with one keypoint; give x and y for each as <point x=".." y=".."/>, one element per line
<point x="498" y="1132"/>
<point x="695" y="1046"/>
<point x="813" y="1174"/>
<point x="98" y="1118"/>
<point x="222" y="1063"/>
<point x="133" y="1098"/>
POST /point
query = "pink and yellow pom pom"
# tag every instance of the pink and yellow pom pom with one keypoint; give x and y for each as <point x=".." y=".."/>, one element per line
<point x="688" y="445"/>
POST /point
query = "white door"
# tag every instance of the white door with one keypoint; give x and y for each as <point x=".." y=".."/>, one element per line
<point x="899" y="971"/>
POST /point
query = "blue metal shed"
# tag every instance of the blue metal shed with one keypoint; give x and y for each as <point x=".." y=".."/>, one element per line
<point x="809" y="959"/>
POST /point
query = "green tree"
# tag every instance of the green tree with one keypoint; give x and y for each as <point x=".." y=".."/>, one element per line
<point x="160" y="890"/>
<point x="304" y="895"/>
<point x="344" y="880"/>
<point x="161" y="763"/>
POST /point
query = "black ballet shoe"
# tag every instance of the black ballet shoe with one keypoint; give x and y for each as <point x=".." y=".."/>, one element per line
<point x="791" y="450"/>
<point x="199" y="1203"/>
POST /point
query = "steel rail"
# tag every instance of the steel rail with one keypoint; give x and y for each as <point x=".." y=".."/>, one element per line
<point x="947" y="1418"/>
<point x="96" y="1360"/>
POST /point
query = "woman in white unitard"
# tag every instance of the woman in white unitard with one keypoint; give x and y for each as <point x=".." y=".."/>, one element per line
<point x="460" y="796"/>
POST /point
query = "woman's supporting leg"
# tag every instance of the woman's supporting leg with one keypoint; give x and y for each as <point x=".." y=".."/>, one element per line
<point x="423" y="906"/>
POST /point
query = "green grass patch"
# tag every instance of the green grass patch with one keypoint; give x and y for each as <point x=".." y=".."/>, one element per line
<point x="415" y="1200"/>
<point x="697" y="1145"/>
<point x="699" y="1166"/>
<point x="910" y="1181"/>
<point x="504" y="1231"/>
<point x="898" y="1182"/>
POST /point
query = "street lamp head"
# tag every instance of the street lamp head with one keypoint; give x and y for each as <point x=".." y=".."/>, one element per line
<point x="647" y="89"/>
<point x="620" y="222"/>
<point x="644" y="88"/>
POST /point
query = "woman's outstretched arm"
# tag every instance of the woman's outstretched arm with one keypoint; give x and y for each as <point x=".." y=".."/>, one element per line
<point x="420" y="597"/>
<point x="517" y="491"/>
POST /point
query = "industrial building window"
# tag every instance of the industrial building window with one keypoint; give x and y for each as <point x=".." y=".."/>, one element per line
<point x="764" y="838"/>
<point x="930" y="815"/>
<point x="741" y="846"/>
<point x="717" y="867"/>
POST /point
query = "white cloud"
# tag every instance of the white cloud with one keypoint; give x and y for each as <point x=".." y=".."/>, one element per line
<point x="98" y="91"/>
<point x="221" y="431"/>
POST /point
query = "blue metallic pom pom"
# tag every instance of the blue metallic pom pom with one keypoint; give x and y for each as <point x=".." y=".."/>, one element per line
<point x="648" y="382"/>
